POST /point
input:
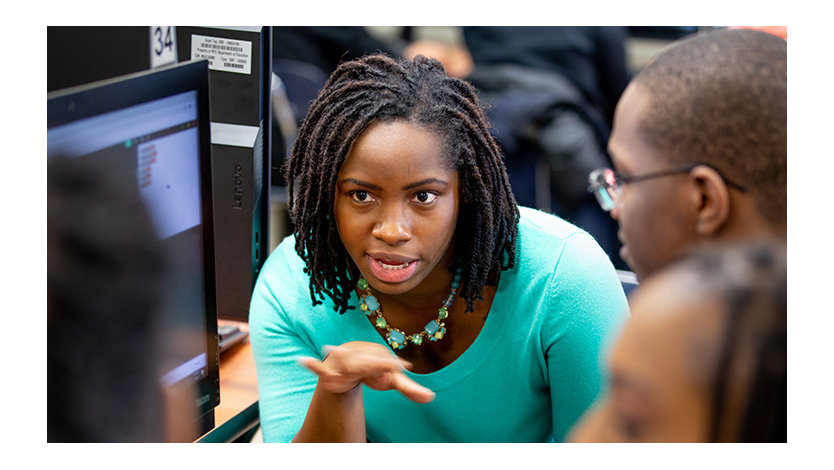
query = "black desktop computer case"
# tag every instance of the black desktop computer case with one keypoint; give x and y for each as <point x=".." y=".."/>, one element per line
<point x="241" y="165"/>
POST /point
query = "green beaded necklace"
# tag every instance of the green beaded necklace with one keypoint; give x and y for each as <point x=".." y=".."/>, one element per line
<point x="433" y="331"/>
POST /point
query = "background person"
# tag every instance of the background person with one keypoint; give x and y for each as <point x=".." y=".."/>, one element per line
<point x="699" y="148"/>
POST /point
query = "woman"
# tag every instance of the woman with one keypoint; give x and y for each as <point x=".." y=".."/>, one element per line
<point x="703" y="358"/>
<point x="426" y="304"/>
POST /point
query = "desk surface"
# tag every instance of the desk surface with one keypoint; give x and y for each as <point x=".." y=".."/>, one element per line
<point x="238" y="380"/>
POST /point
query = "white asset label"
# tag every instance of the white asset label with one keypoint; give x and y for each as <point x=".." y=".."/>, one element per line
<point x="228" y="55"/>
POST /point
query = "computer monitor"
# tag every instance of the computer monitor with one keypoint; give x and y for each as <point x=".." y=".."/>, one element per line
<point x="158" y="122"/>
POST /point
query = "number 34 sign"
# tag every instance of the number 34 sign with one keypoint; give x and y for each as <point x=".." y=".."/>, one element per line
<point x="163" y="45"/>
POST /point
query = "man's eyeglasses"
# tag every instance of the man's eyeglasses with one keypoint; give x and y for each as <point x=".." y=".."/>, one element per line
<point x="607" y="185"/>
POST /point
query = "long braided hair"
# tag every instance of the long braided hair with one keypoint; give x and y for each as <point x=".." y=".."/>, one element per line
<point x="380" y="88"/>
<point x="749" y="381"/>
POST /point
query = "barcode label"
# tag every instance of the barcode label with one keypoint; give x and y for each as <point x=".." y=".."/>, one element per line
<point x="229" y="55"/>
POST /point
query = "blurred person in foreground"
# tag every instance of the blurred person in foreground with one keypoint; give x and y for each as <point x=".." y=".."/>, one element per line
<point x="704" y="355"/>
<point x="105" y="277"/>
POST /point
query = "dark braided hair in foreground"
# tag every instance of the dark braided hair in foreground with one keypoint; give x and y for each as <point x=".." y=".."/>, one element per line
<point x="749" y="376"/>
<point x="380" y="88"/>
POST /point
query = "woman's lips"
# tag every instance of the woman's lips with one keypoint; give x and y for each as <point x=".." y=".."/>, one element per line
<point x="392" y="270"/>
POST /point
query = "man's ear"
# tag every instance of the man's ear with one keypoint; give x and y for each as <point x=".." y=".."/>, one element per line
<point x="711" y="200"/>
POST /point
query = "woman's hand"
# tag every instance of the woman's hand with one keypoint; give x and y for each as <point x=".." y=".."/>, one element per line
<point x="346" y="366"/>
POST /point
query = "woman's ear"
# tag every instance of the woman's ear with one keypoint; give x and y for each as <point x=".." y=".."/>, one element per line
<point x="711" y="198"/>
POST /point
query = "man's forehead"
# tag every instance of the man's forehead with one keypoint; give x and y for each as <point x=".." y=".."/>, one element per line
<point x="628" y="145"/>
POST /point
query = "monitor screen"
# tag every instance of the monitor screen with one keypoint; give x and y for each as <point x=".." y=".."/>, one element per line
<point x="157" y="123"/>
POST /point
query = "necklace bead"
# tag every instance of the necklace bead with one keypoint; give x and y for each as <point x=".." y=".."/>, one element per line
<point x="371" y="302"/>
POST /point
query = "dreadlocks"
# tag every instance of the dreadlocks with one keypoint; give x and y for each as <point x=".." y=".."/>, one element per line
<point x="378" y="87"/>
<point x="749" y="381"/>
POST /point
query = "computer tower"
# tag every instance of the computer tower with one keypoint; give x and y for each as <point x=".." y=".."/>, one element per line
<point x="240" y="72"/>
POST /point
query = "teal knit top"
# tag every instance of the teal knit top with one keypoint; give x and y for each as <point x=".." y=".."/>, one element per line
<point x="532" y="371"/>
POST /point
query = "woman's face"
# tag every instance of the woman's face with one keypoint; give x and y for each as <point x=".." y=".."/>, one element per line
<point x="659" y="370"/>
<point x="396" y="207"/>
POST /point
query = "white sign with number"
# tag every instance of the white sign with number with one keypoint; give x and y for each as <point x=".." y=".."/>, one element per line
<point x="163" y="45"/>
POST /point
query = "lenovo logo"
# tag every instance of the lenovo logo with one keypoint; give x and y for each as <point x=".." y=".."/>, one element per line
<point x="237" y="202"/>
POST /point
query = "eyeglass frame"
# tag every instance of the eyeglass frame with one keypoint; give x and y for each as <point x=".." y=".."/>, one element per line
<point x="598" y="180"/>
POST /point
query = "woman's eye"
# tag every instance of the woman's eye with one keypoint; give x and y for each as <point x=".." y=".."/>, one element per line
<point x="361" y="196"/>
<point x="424" y="197"/>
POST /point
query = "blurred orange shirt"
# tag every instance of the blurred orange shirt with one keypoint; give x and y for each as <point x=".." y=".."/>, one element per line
<point x="781" y="31"/>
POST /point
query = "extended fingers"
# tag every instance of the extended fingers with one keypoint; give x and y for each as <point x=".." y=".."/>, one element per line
<point x="313" y="364"/>
<point x="397" y="380"/>
<point x="411" y="389"/>
<point x="344" y="367"/>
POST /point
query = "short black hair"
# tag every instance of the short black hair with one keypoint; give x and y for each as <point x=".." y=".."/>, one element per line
<point x="721" y="98"/>
<point x="380" y="88"/>
<point x="748" y="378"/>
